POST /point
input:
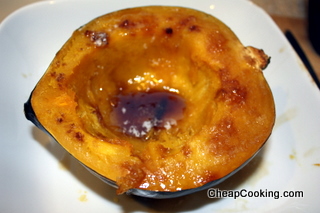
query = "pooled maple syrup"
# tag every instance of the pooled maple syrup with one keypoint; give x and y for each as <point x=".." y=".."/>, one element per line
<point x="142" y="114"/>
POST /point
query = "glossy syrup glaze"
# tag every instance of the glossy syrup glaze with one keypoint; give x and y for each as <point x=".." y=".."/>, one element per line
<point x="142" y="114"/>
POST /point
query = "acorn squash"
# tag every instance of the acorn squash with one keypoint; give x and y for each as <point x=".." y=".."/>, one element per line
<point x="156" y="99"/>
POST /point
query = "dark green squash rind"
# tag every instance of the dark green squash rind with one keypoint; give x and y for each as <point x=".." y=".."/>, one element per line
<point x="31" y="115"/>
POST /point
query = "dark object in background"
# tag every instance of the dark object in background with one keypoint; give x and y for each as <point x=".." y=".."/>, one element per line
<point x="314" y="24"/>
<point x="302" y="56"/>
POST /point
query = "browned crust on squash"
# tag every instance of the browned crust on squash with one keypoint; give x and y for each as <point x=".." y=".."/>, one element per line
<point x="229" y="106"/>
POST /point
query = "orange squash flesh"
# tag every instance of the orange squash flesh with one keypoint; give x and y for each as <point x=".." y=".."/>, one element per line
<point x="157" y="98"/>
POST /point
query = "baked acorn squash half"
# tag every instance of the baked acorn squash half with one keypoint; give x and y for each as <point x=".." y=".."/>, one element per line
<point x="158" y="101"/>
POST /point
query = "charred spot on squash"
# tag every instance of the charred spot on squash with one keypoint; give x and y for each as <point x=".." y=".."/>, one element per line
<point x="79" y="136"/>
<point x="57" y="64"/>
<point x="169" y="31"/>
<point x="60" y="119"/>
<point x="194" y="28"/>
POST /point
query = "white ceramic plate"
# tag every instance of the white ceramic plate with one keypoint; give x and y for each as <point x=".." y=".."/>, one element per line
<point x="37" y="175"/>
